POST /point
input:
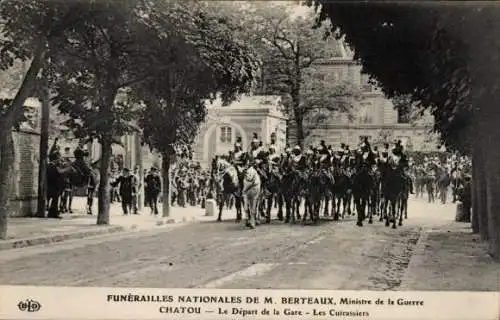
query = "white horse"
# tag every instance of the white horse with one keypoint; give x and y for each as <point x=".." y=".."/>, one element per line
<point x="226" y="185"/>
<point x="251" y="196"/>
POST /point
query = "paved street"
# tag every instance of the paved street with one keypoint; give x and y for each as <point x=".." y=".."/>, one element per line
<point x="226" y="255"/>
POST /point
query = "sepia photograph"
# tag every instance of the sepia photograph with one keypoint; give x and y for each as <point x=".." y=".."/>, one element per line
<point x="279" y="145"/>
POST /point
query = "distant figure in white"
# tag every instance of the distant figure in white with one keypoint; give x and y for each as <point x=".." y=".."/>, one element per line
<point x="251" y="196"/>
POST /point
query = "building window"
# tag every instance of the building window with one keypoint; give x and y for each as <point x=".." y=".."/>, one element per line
<point x="226" y="135"/>
<point x="403" y="115"/>
<point x="365" y="113"/>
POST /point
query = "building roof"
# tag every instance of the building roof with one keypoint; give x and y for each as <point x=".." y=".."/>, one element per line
<point x="249" y="101"/>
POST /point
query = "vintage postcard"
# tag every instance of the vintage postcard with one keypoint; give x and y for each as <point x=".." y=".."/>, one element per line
<point x="182" y="159"/>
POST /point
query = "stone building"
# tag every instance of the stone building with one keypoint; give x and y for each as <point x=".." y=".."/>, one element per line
<point x="260" y="114"/>
<point x="373" y="116"/>
<point x="23" y="199"/>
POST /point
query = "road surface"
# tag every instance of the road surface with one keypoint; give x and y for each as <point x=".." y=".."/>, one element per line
<point x="332" y="255"/>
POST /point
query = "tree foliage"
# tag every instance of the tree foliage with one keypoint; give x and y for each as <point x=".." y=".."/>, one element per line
<point x="210" y="60"/>
<point x="421" y="56"/>
<point x="289" y="47"/>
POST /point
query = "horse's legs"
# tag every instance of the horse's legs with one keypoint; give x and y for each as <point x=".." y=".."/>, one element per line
<point x="333" y="212"/>
<point x="293" y="208"/>
<point x="90" y="200"/>
<point x="394" y="213"/>
<point x="62" y="201"/>
<point x="269" y="206"/>
<point x="401" y="211"/>
<point x="296" y="205"/>
<point x="307" y="209"/>
<point x="238" y="205"/>
<point x="406" y="207"/>
<point x="350" y="201"/>
<point x="288" y="209"/>
<point x="222" y="201"/>
<point x="53" y="209"/>
<point x="279" y="200"/>
<point x="70" y="201"/>
<point x="318" y="210"/>
<point x="387" y="208"/>
<point x="383" y="204"/>
<point x="347" y="204"/>
<point x="358" y="204"/>
<point x="371" y="207"/>
<point x="327" y="202"/>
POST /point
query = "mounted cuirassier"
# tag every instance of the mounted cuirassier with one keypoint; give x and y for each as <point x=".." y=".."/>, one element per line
<point x="274" y="182"/>
<point x="324" y="187"/>
<point x="299" y="168"/>
<point x="364" y="182"/>
<point x="396" y="185"/>
<point x="258" y="156"/>
<point x="397" y="151"/>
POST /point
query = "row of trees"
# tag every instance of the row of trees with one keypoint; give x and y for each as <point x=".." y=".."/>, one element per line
<point x="289" y="47"/>
<point x="434" y="54"/>
<point x="117" y="67"/>
<point x="107" y="64"/>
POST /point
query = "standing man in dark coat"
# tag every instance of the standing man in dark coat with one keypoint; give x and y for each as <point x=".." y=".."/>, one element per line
<point x="126" y="189"/>
<point x="55" y="184"/>
<point x="443" y="183"/>
<point x="152" y="189"/>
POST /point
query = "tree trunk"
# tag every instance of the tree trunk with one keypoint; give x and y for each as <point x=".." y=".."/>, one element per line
<point x="7" y="157"/>
<point x="299" y="123"/>
<point x="7" y="122"/>
<point x="492" y="161"/>
<point x="480" y="182"/>
<point x="167" y="192"/>
<point x="104" y="187"/>
<point x="139" y="162"/>
<point x="476" y="203"/>
<point x="43" y="150"/>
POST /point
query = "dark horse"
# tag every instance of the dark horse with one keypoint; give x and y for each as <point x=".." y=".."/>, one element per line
<point x="319" y="185"/>
<point x="58" y="172"/>
<point x="226" y="182"/>
<point x="290" y="188"/>
<point x="273" y="191"/>
<point x="363" y="189"/>
<point x="393" y="186"/>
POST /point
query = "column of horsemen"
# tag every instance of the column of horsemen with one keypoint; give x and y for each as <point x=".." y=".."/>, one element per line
<point x="339" y="182"/>
<point x="335" y="182"/>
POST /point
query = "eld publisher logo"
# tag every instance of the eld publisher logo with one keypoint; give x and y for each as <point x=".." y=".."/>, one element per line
<point x="29" y="305"/>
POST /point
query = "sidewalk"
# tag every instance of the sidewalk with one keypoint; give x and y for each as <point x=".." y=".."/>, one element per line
<point x="24" y="232"/>
<point x="448" y="255"/>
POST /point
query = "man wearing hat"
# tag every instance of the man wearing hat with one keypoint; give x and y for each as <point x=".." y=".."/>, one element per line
<point x="298" y="159"/>
<point x="322" y="149"/>
<point x="465" y="196"/>
<point x="238" y="145"/>
<point x="152" y="189"/>
<point x="55" y="150"/>
<point x="126" y="189"/>
<point x="272" y="143"/>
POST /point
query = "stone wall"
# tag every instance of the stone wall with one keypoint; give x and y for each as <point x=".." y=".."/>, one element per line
<point x="23" y="200"/>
